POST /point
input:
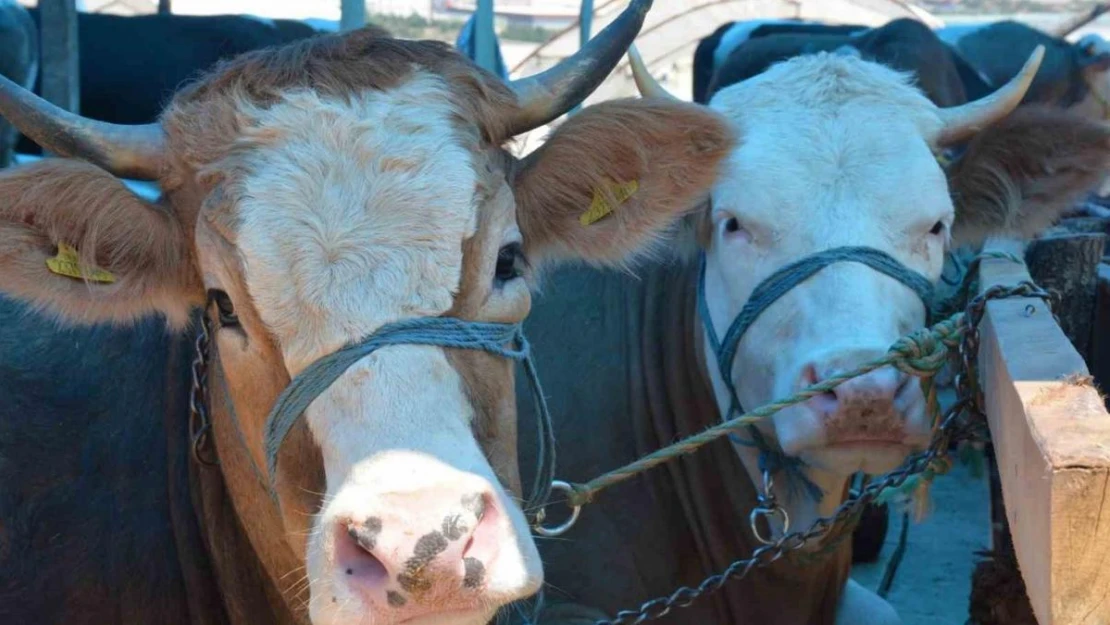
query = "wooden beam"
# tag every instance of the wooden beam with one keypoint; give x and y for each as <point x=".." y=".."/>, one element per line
<point x="352" y="14"/>
<point x="485" y="54"/>
<point x="585" y="31"/>
<point x="60" y="67"/>
<point x="1051" y="434"/>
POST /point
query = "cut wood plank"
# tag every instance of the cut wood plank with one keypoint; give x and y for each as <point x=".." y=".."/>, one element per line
<point x="1051" y="434"/>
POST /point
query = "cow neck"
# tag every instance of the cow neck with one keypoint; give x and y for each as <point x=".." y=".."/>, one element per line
<point x="245" y="535"/>
<point x="679" y="397"/>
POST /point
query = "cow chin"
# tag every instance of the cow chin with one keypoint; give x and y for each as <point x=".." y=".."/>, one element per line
<point x="870" y="442"/>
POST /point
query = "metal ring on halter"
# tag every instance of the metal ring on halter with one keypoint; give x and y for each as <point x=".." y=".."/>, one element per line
<point x="564" y="527"/>
<point x="768" y="512"/>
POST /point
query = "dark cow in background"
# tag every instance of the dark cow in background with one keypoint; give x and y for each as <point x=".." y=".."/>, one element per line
<point x="19" y="62"/>
<point x="131" y="65"/>
<point x="903" y="44"/>
<point x="1074" y="75"/>
<point x="715" y="48"/>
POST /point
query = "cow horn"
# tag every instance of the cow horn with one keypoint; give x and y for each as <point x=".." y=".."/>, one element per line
<point x="544" y="97"/>
<point x="127" y="151"/>
<point x="961" y="122"/>
<point x="645" y="82"/>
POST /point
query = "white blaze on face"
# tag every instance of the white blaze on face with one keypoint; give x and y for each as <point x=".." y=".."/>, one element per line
<point x="832" y="154"/>
<point x="354" y="217"/>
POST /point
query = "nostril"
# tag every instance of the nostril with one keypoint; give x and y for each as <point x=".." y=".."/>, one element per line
<point x="355" y="546"/>
<point x="825" y="402"/>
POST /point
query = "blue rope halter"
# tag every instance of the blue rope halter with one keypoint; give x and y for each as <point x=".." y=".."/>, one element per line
<point x="771" y="457"/>
<point x="501" y="339"/>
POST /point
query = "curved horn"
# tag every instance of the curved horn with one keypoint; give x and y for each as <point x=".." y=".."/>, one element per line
<point x="547" y="95"/>
<point x="127" y="151"/>
<point x="961" y="122"/>
<point x="645" y="82"/>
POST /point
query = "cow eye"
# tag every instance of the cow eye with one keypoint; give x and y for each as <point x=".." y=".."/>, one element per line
<point x="225" y="308"/>
<point x="510" y="263"/>
<point x="938" y="228"/>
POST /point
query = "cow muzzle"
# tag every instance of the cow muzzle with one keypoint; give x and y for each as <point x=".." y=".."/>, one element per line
<point x="446" y="547"/>
<point x="869" y="422"/>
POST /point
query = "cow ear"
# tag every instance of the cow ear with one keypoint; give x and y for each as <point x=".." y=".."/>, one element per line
<point x="615" y="176"/>
<point x="1019" y="175"/>
<point x="76" y="243"/>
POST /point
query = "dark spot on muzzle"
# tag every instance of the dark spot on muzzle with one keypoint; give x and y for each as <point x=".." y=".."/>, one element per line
<point x="366" y="534"/>
<point x="453" y="527"/>
<point x="475" y="571"/>
<point x="427" y="548"/>
<point x="475" y="504"/>
<point x="395" y="599"/>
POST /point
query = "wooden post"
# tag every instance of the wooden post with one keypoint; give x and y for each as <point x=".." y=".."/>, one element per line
<point x="1051" y="435"/>
<point x="1068" y="265"/>
<point x="585" y="31"/>
<point x="352" y="14"/>
<point x="60" y="67"/>
<point x="485" y="56"/>
<point x="1100" y="337"/>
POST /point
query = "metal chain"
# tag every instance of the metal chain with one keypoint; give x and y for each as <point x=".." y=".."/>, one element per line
<point x="951" y="427"/>
<point x="200" y="426"/>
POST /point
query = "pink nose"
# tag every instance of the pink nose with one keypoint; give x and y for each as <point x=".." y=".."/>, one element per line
<point x="424" y="552"/>
<point x="862" y="409"/>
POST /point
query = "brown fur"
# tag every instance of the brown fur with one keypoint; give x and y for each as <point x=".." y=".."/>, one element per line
<point x="206" y="120"/>
<point x="68" y="201"/>
<point x="672" y="149"/>
<point x="1018" y="176"/>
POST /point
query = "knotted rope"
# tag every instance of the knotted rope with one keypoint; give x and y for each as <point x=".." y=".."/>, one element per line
<point x="921" y="354"/>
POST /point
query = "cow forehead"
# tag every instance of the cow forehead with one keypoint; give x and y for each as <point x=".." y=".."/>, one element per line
<point x="354" y="214"/>
<point x="831" y="140"/>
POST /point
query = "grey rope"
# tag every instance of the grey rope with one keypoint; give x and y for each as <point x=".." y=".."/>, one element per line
<point x="768" y="292"/>
<point x="496" y="338"/>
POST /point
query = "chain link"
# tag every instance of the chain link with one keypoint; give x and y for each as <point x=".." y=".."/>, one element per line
<point x="951" y="427"/>
<point x="200" y="426"/>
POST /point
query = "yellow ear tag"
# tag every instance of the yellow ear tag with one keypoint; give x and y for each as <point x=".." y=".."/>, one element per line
<point x="66" y="263"/>
<point x="600" y="207"/>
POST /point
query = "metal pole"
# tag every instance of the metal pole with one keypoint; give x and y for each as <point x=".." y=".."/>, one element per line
<point x="352" y="14"/>
<point x="484" y="54"/>
<point x="585" y="26"/>
<point x="60" y="69"/>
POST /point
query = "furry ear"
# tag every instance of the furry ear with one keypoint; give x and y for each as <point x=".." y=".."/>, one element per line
<point x="615" y="176"/>
<point x="76" y="242"/>
<point x="1019" y="175"/>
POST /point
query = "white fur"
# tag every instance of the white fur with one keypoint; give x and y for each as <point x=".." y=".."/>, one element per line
<point x="835" y="151"/>
<point x="353" y="217"/>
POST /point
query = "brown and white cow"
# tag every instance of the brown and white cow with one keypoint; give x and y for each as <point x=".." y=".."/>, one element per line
<point x="312" y="194"/>
<point x="833" y="151"/>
